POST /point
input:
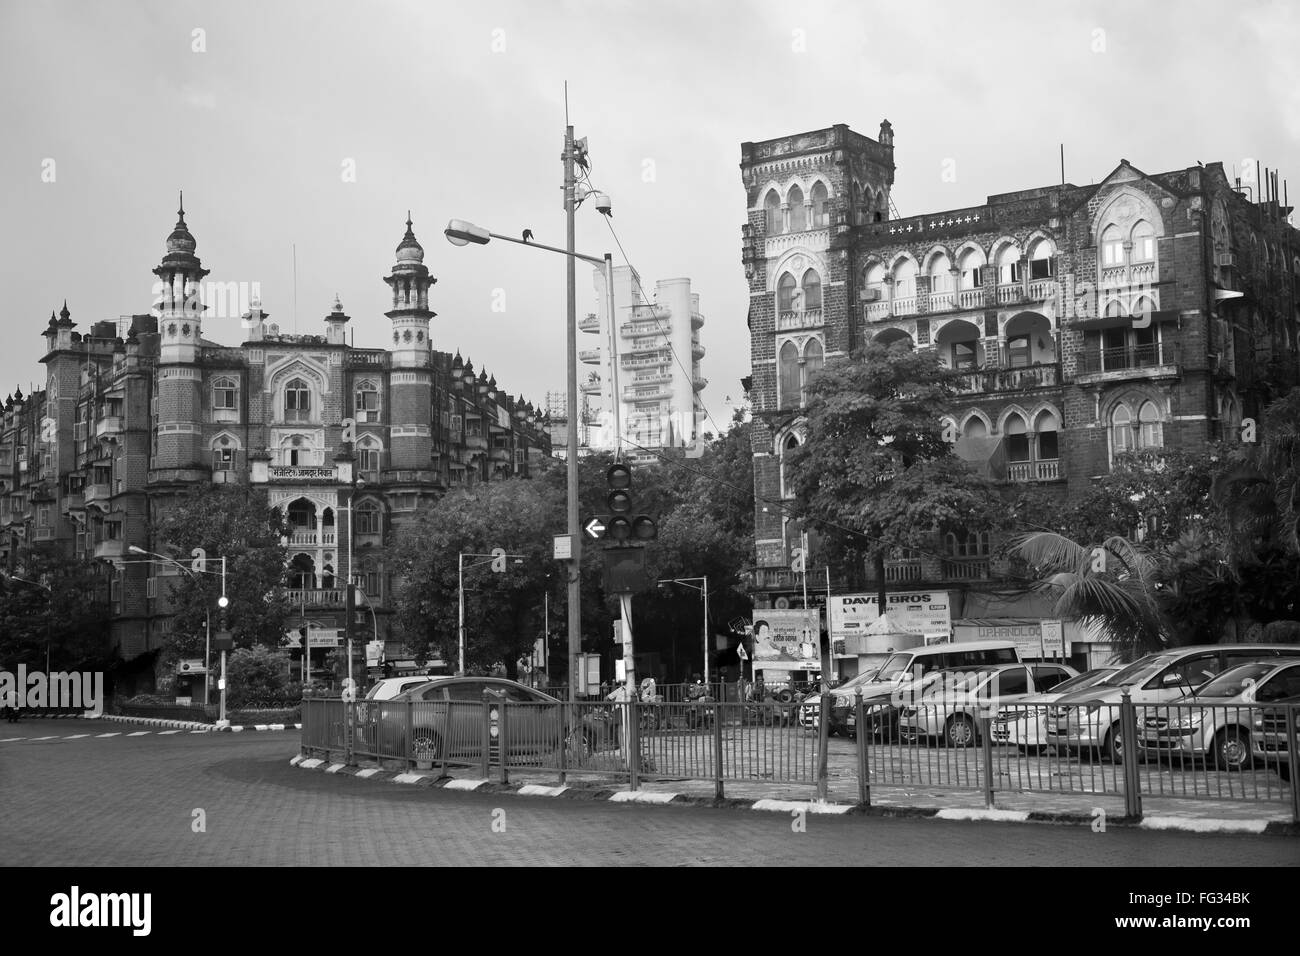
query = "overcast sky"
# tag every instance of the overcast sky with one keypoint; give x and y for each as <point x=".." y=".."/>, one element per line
<point x="457" y="111"/>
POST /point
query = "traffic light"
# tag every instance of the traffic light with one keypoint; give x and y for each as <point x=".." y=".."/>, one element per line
<point x="302" y="637"/>
<point x="623" y="526"/>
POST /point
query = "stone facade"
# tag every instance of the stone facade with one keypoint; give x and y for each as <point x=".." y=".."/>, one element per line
<point x="1143" y="311"/>
<point x="140" y="409"/>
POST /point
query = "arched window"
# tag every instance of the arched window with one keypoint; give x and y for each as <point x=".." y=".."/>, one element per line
<point x="1144" y="242"/>
<point x="1112" y="247"/>
<point x="297" y="450"/>
<point x="369" y="518"/>
<point x="1047" y="427"/>
<point x="941" y="274"/>
<point x="905" y="279"/>
<point x="366" y="403"/>
<point x="1150" y="430"/>
<point x="225" y="399"/>
<point x="1017" y="440"/>
<point x="1008" y="264"/>
<point x="791" y="442"/>
<point x="821" y="207"/>
<point x="785" y="293"/>
<point x="812" y="290"/>
<point x="297" y="401"/>
<point x="788" y="376"/>
<point x="813" y="359"/>
<point x="975" y="428"/>
<point x="882" y="212"/>
<point x="772" y="207"/>
<point x="798" y="215"/>
<point x="1040" y="260"/>
<point x="369" y="454"/>
<point x="971" y="263"/>
<point x="1121" y="430"/>
<point x="224" y="453"/>
<point x="873" y="282"/>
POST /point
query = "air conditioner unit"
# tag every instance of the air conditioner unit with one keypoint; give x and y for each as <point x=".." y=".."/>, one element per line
<point x="870" y="295"/>
<point x="1225" y="260"/>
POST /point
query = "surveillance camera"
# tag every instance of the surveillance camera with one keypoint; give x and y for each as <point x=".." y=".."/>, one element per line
<point x="603" y="204"/>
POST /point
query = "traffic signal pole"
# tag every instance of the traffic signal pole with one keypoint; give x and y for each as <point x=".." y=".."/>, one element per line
<point x="575" y="532"/>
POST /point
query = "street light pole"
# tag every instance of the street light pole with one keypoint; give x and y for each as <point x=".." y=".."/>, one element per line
<point x="460" y="598"/>
<point x="575" y="533"/>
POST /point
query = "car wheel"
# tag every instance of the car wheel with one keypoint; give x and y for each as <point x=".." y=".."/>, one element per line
<point x="1232" y="749"/>
<point x="426" y="743"/>
<point x="960" y="732"/>
<point x="1113" y="745"/>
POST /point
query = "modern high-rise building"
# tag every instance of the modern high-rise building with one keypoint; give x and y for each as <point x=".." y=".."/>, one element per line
<point x="1146" y="311"/>
<point x="646" y="364"/>
<point x="123" y="424"/>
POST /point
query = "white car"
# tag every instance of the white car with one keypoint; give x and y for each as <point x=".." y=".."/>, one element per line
<point x="1024" y="725"/>
<point x="951" y="707"/>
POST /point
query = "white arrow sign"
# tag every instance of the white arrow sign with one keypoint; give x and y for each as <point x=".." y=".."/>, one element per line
<point x="595" y="528"/>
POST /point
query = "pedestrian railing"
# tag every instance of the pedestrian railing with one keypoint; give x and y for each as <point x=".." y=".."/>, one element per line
<point x="1186" y="749"/>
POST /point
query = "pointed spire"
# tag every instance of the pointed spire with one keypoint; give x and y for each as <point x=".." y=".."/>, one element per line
<point x="63" y="312"/>
<point x="457" y="363"/>
<point x="181" y="212"/>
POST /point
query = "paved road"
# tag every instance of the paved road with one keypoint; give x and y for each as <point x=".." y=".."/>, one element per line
<point x="124" y="800"/>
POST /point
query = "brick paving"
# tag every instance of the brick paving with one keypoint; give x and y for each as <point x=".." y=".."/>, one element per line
<point x="127" y="800"/>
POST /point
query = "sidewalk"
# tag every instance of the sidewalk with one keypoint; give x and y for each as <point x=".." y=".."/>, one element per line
<point x="196" y="725"/>
<point x="1060" y="808"/>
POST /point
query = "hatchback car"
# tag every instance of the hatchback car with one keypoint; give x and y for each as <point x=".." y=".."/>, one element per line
<point x="1025" y="724"/>
<point x="951" y="707"/>
<point x="1207" y="724"/>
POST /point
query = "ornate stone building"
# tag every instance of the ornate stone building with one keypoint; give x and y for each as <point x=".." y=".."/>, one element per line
<point x="139" y="409"/>
<point x="1146" y="311"/>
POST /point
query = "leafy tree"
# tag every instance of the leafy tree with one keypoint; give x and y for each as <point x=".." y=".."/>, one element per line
<point x="259" y="675"/>
<point x="238" y="524"/>
<point x="60" y="603"/>
<point x="876" y="473"/>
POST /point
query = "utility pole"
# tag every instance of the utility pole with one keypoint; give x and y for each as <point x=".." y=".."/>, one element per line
<point x="575" y="533"/>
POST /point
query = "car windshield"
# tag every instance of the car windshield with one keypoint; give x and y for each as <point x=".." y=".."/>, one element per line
<point x="1083" y="681"/>
<point x="1136" y="672"/>
<point x="858" y="681"/>
<point x="1233" y="682"/>
<point x="956" y="680"/>
<point x="893" y="668"/>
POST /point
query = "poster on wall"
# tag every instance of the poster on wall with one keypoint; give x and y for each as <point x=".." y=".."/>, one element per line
<point x="927" y="613"/>
<point x="787" y="635"/>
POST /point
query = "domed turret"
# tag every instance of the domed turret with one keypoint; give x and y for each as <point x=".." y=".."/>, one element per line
<point x="409" y="249"/>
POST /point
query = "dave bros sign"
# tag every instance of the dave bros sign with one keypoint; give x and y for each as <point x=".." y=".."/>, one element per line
<point x="913" y="612"/>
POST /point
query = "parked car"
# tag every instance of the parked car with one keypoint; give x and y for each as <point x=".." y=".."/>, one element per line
<point x="1269" y="740"/>
<point x="1219" y="731"/>
<point x="446" y="720"/>
<point x="950" y="708"/>
<point x="1025" y="724"/>
<point x="390" y="687"/>
<point x="903" y="670"/>
<point x="810" y="708"/>
<point x="1089" y="719"/>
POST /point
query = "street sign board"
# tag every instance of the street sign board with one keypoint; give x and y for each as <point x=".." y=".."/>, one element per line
<point x="223" y="641"/>
<point x="563" y="547"/>
<point x="596" y="528"/>
<point x="625" y="570"/>
<point x="1053" y="638"/>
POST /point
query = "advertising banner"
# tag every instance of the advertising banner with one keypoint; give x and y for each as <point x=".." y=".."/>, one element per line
<point x="787" y="635"/>
<point x="927" y="613"/>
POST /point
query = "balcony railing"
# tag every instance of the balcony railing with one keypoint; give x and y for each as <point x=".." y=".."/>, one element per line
<point x="312" y="538"/>
<point x="1040" y="290"/>
<point x="903" y="306"/>
<point x="807" y="319"/>
<point x="661" y="356"/>
<point x="589" y="356"/>
<point x="942" y="301"/>
<point x="901" y="570"/>
<point x="366" y="359"/>
<point x="874" y="311"/>
<point x="630" y="329"/>
<point x="590" y="388"/>
<point x="1008" y="294"/>
<point x="1128" y="358"/>
<point x="1049" y="470"/>
<point x="643" y="393"/>
<point x="1008" y="379"/>
<point x="697" y="320"/>
<point x="970" y="299"/>
<point x="109" y="427"/>
<point x="315" y="597"/>
<point x="589" y="323"/>
<point x="99" y="492"/>
<point x="966" y="569"/>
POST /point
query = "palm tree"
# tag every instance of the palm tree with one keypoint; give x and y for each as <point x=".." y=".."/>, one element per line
<point x="1111" y="585"/>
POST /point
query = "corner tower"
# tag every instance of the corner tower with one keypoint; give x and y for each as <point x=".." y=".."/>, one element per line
<point x="411" y="382"/>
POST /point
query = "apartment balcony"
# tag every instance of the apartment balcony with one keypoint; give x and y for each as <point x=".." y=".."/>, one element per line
<point x="697" y="351"/>
<point x="645" y="347"/>
<point x="1029" y="471"/>
<point x="589" y="323"/>
<point x="1042" y="290"/>
<point x="902" y="570"/>
<point x="641" y="393"/>
<point x="302" y="473"/>
<point x="970" y="298"/>
<point x="942" y="301"/>
<point x="112" y="548"/>
<point x="316" y="597"/>
<point x="776" y="579"/>
<point x="1153" y="360"/>
<point x="632" y="329"/>
<point x="645" y="312"/>
<point x="652" y="378"/>
<point x="875" y="311"/>
<point x="642" y="359"/>
<point x="903" y="306"/>
<point x="99" y="492"/>
<point x="807" y="319"/>
<point x="697" y="320"/>
<point x="1127" y="276"/>
<point x="500" y="455"/>
<point x="590" y="388"/>
<point x="355" y="359"/>
<point x="109" y="428"/>
<point x="589" y="356"/>
<point x="984" y="380"/>
<point x="699" y="383"/>
<point x="476" y="442"/>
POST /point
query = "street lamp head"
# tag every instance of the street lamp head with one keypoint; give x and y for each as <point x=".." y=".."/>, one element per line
<point x="136" y="550"/>
<point x="462" y="233"/>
